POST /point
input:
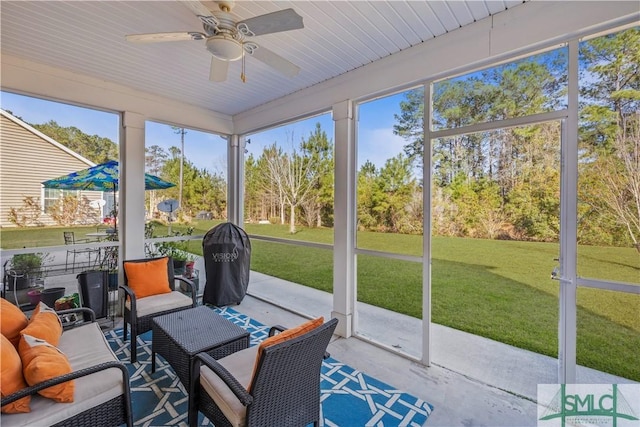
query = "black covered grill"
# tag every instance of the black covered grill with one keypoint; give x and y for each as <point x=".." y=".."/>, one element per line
<point x="227" y="256"/>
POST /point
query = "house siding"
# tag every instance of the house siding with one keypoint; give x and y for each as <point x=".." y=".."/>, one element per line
<point x="26" y="160"/>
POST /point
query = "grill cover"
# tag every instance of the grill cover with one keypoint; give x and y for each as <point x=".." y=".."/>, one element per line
<point x="227" y="256"/>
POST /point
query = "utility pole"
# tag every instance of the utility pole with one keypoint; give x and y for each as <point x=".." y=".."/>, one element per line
<point x="180" y="131"/>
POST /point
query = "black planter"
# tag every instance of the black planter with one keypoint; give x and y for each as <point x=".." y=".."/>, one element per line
<point x="20" y="282"/>
<point x="50" y="295"/>
<point x="179" y="267"/>
<point x="113" y="281"/>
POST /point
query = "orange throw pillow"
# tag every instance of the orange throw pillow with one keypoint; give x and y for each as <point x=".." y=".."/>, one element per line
<point x="37" y="309"/>
<point x="283" y="336"/>
<point x="148" y="278"/>
<point x="42" y="361"/>
<point x="44" y="324"/>
<point x="12" y="321"/>
<point x="11" y="379"/>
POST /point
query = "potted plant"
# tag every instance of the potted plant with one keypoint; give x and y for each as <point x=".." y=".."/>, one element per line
<point x="28" y="269"/>
<point x="189" y="268"/>
<point x="34" y="295"/>
<point x="110" y="264"/>
<point x="178" y="251"/>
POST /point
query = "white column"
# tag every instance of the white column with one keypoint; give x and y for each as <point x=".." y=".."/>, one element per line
<point x="567" y="327"/>
<point x="426" y="227"/>
<point x="235" y="180"/>
<point x="131" y="187"/>
<point x="344" y="261"/>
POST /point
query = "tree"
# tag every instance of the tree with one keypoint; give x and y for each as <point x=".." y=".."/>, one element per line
<point x="397" y="186"/>
<point x="294" y="175"/>
<point x="481" y="179"/>
<point x="490" y="215"/>
<point x="610" y="129"/>
<point x="319" y="203"/>
<point x="202" y="190"/>
<point x="154" y="160"/>
<point x="205" y="192"/>
<point x="254" y="206"/>
<point x="367" y="196"/>
<point x="95" y="148"/>
<point x="616" y="174"/>
<point x="410" y="124"/>
<point x="274" y="160"/>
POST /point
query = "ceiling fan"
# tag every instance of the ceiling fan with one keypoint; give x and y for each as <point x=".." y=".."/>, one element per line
<point x="226" y="38"/>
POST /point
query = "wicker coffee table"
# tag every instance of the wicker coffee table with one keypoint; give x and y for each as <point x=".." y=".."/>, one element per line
<point x="179" y="336"/>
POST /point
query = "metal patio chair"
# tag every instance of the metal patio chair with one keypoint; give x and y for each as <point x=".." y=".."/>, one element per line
<point x="70" y="239"/>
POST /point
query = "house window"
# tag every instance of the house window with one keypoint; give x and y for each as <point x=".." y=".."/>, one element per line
<point x="51" y="195"/>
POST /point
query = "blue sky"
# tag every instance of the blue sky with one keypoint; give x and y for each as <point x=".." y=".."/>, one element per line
<point x="376" y="141"/>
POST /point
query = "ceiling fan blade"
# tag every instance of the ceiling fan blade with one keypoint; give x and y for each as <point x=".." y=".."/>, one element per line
<point x="218" y="70"/>
<point x="273" y="60"/>
<point x="274" y="22"/>
<point x="202" y="12"/>
<point x="165" y="37"/>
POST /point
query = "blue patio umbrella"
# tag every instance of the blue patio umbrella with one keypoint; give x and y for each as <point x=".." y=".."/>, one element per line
<point x="102" y="177"/>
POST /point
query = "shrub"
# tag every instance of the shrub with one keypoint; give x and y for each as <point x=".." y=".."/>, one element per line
<point x="28" y="214"/>
<point x="176" y="250"/>
<point x="71" y="210"/>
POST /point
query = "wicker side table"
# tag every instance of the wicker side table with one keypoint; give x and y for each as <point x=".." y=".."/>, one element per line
<point x="179" y="336"/>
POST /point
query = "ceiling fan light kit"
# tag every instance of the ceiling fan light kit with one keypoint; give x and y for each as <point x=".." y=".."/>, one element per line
<point x="224" y="47"/>
<point x="225" y="35"/>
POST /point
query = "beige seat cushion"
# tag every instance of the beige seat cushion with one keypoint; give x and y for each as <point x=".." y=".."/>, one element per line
<point x="240" y="365"/>
<point x="159" y="303"/>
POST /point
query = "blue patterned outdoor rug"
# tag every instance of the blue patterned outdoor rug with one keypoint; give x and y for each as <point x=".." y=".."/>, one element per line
<point x="349" y="397"/>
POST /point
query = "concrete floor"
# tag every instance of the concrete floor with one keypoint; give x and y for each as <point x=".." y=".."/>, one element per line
<point x="457" y="399"/>
<point x="472" y="381"/>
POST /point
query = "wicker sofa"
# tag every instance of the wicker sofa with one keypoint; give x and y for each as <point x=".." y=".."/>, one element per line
<point x="102" y="395"/>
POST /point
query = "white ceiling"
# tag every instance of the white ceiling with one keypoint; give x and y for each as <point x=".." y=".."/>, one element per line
<point x="87" y="37"/>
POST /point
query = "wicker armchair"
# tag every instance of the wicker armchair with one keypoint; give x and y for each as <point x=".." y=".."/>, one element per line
<point x="283" y="391"/>
<point x="138" y="312"/>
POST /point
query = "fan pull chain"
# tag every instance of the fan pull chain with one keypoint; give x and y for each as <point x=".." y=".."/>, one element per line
<point x="243" y="77"/>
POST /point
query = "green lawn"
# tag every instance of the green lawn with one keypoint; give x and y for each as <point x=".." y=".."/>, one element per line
<point x="497" y="289"/>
